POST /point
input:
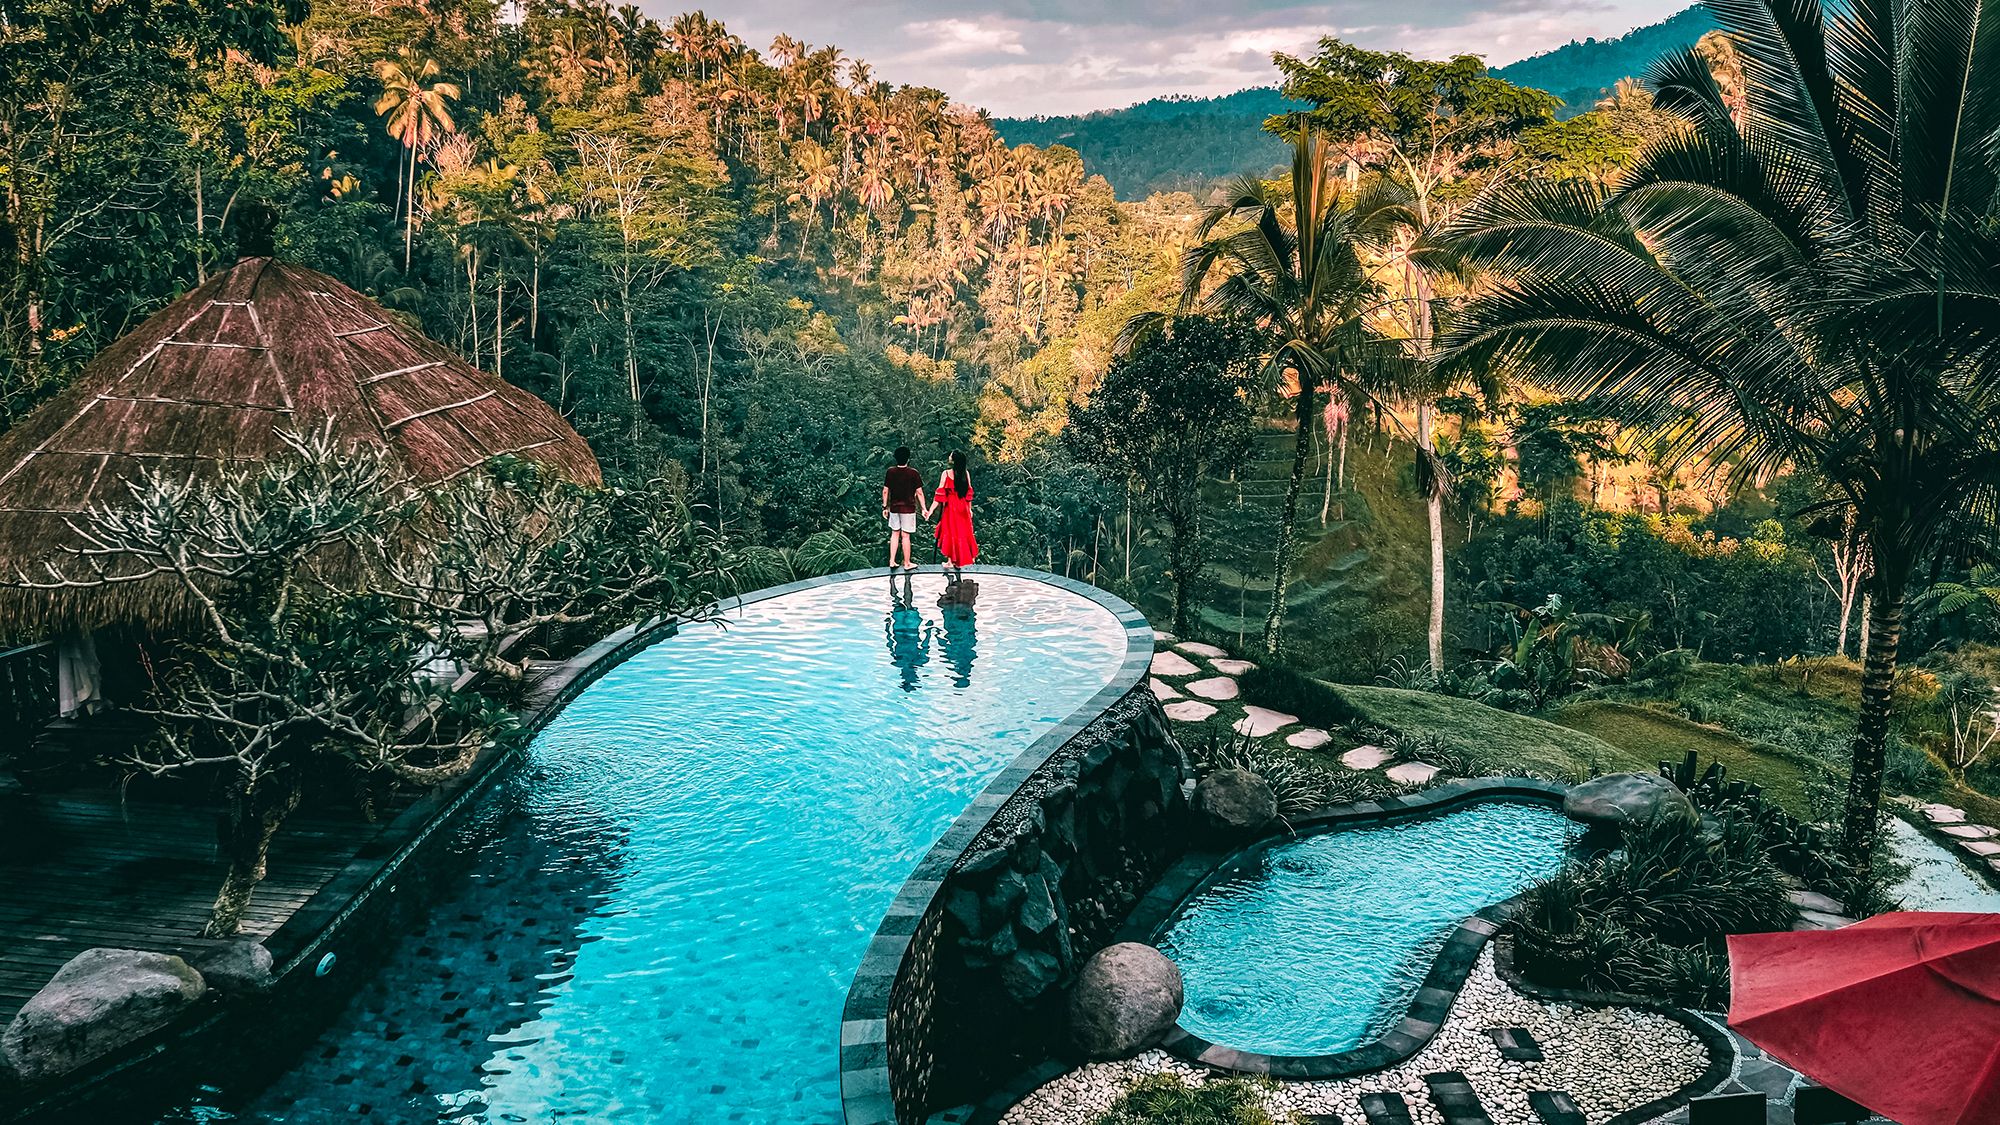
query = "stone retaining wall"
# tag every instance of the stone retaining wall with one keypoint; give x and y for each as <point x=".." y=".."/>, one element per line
<point x="965" y="977"/>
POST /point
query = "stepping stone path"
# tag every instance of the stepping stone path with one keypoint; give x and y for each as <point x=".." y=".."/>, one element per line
<point x="1233" y="667"/>
<point x="1311" y="738"/>
<point x="1196" y="648"/>
<point x="1456" y="1101"/>
<point x="1365" y="758"/>
<point x="1165" y="637"/>
<point x="1944" y="814"/>
<point x="1982" y="848"/>
<point x="1173" y="664"/>
<point x="1411" y="773"/>
<point x="1188" y="711"/>
<point x="1214" y="687"/>
<point x="1970" y="831"/>
<point x="1516" y="1043"/>
<point x="1385" y="1109"/>
<point x="1162" y="690"/>
<point x="1260" y="721"/>
<point x="1555" y="1108"/>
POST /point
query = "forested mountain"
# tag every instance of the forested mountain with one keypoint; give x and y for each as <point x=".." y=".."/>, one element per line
<point x="1176" y="143"/>
<point x="1582" y="71"/>
<point x="1181" y="143"/>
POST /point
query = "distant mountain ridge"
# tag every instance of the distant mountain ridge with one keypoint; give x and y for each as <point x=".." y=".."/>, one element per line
<point x="1184" y="143"/>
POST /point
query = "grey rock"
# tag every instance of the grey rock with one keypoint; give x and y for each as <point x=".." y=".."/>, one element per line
<point x="235" y="967"/>
<point x="1125" y="1000"/>
<point x="1236" y="800"/>
<point x="101" y="1000"/>
<point x="1627" y="798"/>
<point x="1029" y="974"/>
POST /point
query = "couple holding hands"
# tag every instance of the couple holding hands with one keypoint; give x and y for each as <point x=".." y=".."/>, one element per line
<point x="903" y="498"/>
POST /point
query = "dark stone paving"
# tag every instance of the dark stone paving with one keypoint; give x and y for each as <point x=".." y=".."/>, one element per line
<point x="1516" y="1043"/>
<point x="1385" y="1109"/>
<point x="1455" y="1099"/>
<point x="1555" y="1107"/>
<point x="1758" y="1073"/>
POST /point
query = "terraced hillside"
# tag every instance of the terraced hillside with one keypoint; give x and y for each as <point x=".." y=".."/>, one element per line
<point x="1359" y="582"/>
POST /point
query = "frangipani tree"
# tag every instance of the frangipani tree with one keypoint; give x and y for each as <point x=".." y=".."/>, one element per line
<point x="1812" y="281"/>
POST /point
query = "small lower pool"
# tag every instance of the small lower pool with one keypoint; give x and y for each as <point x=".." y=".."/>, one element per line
<point x="1317" y="945"/>
<point x="669" y="899"/>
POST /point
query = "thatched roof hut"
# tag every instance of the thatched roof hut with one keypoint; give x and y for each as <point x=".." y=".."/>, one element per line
<point x="215" y="377"/>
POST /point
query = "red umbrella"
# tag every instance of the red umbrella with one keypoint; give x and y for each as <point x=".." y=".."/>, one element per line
<point x="1900" y="1013"/>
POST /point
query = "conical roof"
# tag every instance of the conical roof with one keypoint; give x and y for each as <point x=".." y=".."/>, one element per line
<point x="217" y="375"/>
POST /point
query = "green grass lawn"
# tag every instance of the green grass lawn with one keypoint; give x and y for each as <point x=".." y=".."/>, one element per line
<point x="1503" y="738"/>
<point x="1653" y="735"/>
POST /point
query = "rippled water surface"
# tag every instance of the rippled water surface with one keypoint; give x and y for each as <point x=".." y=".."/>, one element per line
<point x="674" y="892"/>
<point x="1316" y="945"/>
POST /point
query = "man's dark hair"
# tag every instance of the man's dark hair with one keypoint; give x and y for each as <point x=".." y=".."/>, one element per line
<point x="902" y="455"/>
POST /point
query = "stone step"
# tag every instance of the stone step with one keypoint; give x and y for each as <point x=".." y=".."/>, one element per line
<point x="1385" y="1109"/>
<point x="1455" y="1099"/>
<point x="1516" y="1043"/>
<point x="1555" y="1107"/>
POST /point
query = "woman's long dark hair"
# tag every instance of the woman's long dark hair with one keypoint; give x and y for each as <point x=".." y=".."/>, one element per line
<point x="959" y="480"/>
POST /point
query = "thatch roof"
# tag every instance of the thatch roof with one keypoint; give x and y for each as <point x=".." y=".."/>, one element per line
<point x="215" y="377"/>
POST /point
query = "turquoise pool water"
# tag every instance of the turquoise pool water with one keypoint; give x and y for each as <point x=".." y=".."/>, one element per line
<point x="666" y="913"/>
<point x="1316" y="945"/>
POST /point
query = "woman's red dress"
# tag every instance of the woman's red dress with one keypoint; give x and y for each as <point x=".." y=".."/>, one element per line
<point x="954" y="529"/>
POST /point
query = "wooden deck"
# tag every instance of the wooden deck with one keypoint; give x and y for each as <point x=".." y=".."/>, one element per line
<point x="87" y="870"/>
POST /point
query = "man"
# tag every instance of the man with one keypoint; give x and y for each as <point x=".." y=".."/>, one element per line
<point x="902" y="492"/>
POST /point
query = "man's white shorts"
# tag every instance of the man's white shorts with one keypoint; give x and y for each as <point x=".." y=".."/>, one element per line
<point x="903" y="521"/>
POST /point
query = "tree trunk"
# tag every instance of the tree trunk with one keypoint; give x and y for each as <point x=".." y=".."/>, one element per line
<point x="1871" y="731"/>
<point x="246" y="839"/>
<point x="1434" y="509"/>
<point x="1281" y="564"/>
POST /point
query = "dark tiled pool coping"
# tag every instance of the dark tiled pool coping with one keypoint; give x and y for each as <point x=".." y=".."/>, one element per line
<point x="864" y="1037"/>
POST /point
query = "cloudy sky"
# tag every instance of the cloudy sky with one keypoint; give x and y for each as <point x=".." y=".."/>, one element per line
<point x="1018" y="57"/>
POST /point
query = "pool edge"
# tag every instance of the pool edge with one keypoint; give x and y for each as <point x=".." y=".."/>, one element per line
<point x="866" y="1082"/>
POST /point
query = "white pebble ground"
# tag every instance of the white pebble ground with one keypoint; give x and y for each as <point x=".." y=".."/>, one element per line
<point x="1608" y="1059"/>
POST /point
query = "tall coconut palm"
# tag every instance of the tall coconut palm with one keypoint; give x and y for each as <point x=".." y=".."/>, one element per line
<point x="1288" y="261"/>
<point x="418" y="110"/>
<point x="1812" y="280"/>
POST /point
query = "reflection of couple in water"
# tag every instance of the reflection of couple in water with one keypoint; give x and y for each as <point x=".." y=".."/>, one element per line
<point x="911" y="637"/>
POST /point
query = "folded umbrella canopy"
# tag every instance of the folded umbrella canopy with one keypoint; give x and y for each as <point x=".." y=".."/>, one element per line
<point x="1900" y="1013"/>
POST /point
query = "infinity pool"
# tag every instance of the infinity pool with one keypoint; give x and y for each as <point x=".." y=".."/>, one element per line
<point x="1317" y="945"/>
<point x="673" y="893"/>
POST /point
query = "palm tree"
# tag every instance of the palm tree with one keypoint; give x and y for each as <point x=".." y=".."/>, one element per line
<point x="418" y="113"/>
<point x="1814" y="287"/>
<point x="1289" y="263"/>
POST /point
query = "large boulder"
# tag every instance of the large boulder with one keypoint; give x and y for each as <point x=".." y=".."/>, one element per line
<point x="235" y="967"/>
<point x="1125" y="1000"/>
<point x="100" y="1001"/>
<point x="1236" y="801"/>
<point x="1618" y="799"/>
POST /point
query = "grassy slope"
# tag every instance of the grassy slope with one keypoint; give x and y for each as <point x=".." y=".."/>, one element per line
<point x="1503" y="737"/>
<point x="1655" y="735"/>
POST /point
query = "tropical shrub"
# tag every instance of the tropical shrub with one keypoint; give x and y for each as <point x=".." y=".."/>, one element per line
<point x="1651" y="918"/>
<point x="1299" y="785"/>
<point x="1285" y="689"/>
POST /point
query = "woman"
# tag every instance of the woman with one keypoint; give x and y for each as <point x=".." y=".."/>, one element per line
<point x="954" y="529"/>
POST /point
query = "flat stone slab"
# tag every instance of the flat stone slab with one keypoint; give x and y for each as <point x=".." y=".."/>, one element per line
<point x="1944" y="814"/>
<point x="1260" y="721"/>
<point x="1821" y="920"/>
<point x="1411" y="773"/>
<point x="1231" y="667"/>
<point x="1311" y="738"/>
<point x="1970" y="831"/>
<point x="1981" y="848"/>
<point x="1188" y="711"/>
<point x="1214" y="687"/>
<point x="1162" y="690"/>
<point x="1365" y="758"/>
<point x="1165" y="636"/>
<point x="1173" y="664"/>
<point x="1813" y="900"/>
<point x="1196" y="648"/>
